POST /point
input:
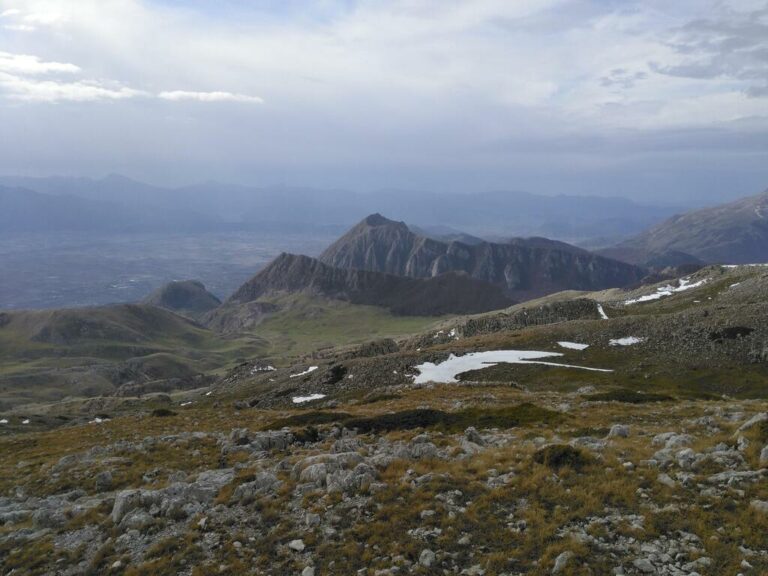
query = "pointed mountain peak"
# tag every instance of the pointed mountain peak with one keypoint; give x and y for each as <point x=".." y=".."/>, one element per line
<point x="379" y="220"/>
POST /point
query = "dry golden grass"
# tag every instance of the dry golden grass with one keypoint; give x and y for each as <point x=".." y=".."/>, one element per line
<point x="545" y="497"/>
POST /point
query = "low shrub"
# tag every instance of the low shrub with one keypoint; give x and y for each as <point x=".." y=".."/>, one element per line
<point x="559" y="456"/>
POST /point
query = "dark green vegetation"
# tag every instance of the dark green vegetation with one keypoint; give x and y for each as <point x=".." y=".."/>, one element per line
<point x="559" y="456"/>
<point x="309" y="419"/>
<point x="507" y="417"/>
<point x="301" y="324"/>
<point x="628" y="397"/>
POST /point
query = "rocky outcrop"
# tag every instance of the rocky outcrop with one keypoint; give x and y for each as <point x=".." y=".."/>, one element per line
<point x="524" y="268"/>
<point x="444" y="294"/>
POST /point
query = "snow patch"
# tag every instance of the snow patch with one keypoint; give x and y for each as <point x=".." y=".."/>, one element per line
<point x="185" y="403"/>
<point x="446" y="372"/>
<point x="307" y="371"/>
<point x="668" y="290"/>
<point x="98" y="420"/>
<point x="626" y="341"/>
<point x="4" y="421"/>
<point x="302" y="399"/>
<point x="602" y="313"/>
<point x="257" y="369"/>
<point x="573" y="345"/>
<point x="25" y="421"/>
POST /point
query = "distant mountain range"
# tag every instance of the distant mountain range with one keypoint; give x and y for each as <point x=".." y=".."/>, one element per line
<point x="23" y="210"/>
<point x="212" y="204"/>
<point x="523" y="268"/>
<point x="384" y="263"/>
<point x="733" y="233"/>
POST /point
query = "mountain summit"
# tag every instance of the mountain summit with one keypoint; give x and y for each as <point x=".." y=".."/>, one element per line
<point x="524" y="268"/>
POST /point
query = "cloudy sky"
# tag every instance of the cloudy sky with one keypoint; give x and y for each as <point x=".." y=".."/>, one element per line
<point x="661" y="100"/>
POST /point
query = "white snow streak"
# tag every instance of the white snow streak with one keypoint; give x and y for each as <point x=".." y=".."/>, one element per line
<point x="446" y="372"/>
<point x="573" y="345"/>
<point x="668" y="290"/>
<point x="626" y="341"/>
<point x="302" y="399"/>
<point x="602" y="313"/>
<point x="307" y="371"/>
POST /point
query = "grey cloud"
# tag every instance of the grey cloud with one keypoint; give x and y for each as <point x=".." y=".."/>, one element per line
<point x="621" y="78"/>
<point x="733" y="46"/>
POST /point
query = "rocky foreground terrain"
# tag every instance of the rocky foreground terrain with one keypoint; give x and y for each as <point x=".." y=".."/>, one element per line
<point x="581" y="486"/>
<point x="349" y="462"/>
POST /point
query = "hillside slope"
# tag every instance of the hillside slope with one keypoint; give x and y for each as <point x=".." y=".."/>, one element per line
<point x="186" y="297"/>
<point x="524" y="268"/>
<point x="128" y="348"/>
<point x="734" y="233"/>
<point x="449" y="293"/>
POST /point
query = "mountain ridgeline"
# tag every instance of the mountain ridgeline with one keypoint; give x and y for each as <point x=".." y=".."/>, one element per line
<point x="523" y="268"/>
<point x="734" y="233"/>
<point x="452" y="293"/>
<point x="127" y="204"/>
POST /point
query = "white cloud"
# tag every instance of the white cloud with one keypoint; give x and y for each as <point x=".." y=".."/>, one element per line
<point x="10" y="12"/>
<point x="390" y="85"/>
<point x="33" y="90"/>
<point x="19" y="27"/>
<point x="178" y="95"/>
<point x="45" y="18"/>
<point x="32" y="65"/>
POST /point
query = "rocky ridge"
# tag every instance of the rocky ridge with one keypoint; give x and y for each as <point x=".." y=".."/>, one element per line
<point x="525" y="269"/>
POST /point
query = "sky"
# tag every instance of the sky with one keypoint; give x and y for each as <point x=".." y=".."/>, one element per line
<point x="664" y="102"/>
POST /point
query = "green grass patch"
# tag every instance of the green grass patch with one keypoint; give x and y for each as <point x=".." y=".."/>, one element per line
<point x="306" y="323"/>
<point x="628" y="397"/>
<point x="380" y="398"/>
<point x="507" y="417"/>
<point x="314" y="418"/>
